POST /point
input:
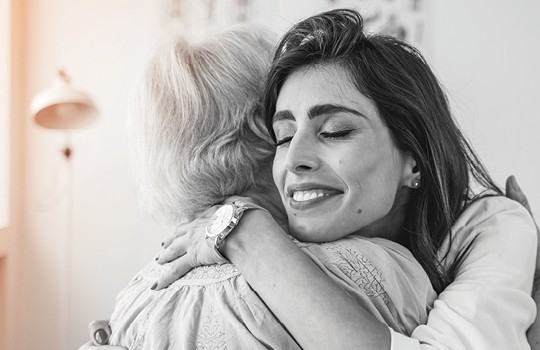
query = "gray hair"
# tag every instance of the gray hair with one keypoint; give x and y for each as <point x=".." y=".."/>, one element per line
<point x="196" y="125"/>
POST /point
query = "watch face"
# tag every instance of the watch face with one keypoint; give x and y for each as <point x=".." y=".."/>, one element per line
<point x="220" y="220"/>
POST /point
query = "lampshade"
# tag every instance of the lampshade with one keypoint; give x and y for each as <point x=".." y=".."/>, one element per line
<point x="63" y="106"/>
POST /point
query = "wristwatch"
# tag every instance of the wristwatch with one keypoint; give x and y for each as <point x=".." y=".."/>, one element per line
<point x="225" y="220"/>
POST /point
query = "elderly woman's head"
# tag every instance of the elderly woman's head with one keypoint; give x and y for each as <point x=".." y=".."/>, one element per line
<point x="366" y="140"/>
<point x="198" y="132"/>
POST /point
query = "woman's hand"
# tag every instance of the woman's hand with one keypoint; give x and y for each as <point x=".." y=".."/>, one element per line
<point x="186" y="249"/>
<point x="513" y="191"/>
<point x="100" y="331"/>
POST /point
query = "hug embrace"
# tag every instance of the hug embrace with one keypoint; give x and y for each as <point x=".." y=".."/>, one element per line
<point x="322" y="197"/>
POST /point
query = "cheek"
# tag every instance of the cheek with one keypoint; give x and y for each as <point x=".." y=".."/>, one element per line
<point x="278" y="171"/>
<point x="370" y="189"/>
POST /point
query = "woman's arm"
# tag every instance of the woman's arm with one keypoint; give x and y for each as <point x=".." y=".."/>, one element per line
<point x="488" y="306"/>
<point x="318" y="313"/>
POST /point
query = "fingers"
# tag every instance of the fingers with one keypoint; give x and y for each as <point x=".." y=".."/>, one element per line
<point x="177" y="269"/>
<point x="175" y="250"/>
<point x="184" y="229"/>
<point x="513" y="191"/>
<point x="172" y="237"/>
<point x="99" y="332"/>
<point x="167" y="241"/>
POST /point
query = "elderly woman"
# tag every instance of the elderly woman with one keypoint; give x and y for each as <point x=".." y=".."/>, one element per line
<point x="367" y="147"/>
<point x="200" y="139"/>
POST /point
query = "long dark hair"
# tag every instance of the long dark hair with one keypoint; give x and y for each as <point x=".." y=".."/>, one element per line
<point x="412" y="104"/>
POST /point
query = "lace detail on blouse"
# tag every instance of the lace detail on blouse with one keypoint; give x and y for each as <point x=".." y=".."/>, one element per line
<point x="359" y="269"/>
<point x="212" y="272"/>
<point x="212" y="336"/>
<point x="201" y="275"/>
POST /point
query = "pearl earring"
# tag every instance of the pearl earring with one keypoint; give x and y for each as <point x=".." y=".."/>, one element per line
<point x="416" y="183"/>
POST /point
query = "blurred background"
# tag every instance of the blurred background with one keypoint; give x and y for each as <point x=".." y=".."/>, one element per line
<point x="71" y="233"/>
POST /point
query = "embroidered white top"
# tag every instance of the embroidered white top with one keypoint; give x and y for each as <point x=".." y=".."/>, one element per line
<point x="213" y="307"/>
<point x="488" y="306"/>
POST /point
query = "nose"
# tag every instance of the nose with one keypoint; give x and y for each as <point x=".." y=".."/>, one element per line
<point x="302" y="154"/>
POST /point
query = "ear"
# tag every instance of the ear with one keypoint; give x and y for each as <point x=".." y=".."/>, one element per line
<point x="256" y="124"/>
<point x="411" y="173"/>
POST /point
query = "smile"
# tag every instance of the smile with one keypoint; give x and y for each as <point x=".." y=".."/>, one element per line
<point x="303" y="196"/>
<point x="306" y="196"/>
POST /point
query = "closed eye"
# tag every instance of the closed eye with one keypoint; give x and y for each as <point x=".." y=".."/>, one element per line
<point x="336" y="134"/>
<point x="283" y="141"/>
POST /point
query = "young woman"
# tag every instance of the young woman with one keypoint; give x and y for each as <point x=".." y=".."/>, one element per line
<point x="366" y="145"/>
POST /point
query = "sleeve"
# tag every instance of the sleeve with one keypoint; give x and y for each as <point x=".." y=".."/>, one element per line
<point x="382" y="275"/>
<point x="488" y="306"/>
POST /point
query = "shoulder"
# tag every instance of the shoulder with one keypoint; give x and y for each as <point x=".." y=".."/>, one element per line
<point x="486" y="208"/>
<point x="488" y="305"/>
<point x="494" y="234"/>
<point x="495" y="219"/>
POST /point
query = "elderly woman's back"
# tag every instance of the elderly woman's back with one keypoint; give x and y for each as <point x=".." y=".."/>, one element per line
<point x="198" y="140"/>
<point x="213" y="307"/>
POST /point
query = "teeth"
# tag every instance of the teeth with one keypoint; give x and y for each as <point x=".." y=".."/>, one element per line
<point x="302" y="196"/>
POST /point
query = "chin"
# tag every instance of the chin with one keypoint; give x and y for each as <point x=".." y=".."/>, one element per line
<point x="309" y="234"/>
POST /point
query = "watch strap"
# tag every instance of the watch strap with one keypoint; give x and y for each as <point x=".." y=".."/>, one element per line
<point x="240" y="208"/>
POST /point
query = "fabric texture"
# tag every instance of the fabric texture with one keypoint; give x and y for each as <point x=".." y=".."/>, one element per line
<point x="489" y="305"/>
<point x="213" y="307"/>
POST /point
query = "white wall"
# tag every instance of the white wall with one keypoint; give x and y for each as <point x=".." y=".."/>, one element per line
<point x="102" y="45"/>
<point x="485" y="53"/>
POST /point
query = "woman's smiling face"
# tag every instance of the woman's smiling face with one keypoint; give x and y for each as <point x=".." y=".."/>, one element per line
<point x="336" y="166"/>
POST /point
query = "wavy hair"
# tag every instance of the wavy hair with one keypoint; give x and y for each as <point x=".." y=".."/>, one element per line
<point x="412" y="104"/>
<point x="194" y="123"/>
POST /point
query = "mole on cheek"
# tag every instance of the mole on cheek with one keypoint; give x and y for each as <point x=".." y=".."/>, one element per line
<point x="359" y="211"/>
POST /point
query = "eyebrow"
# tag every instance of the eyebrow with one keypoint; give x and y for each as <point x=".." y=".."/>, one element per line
<point x="316" y="111"/>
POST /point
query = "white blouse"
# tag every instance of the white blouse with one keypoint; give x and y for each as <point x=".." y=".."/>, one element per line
<point x="489" y="305"/>
<point x="213" y="307"/>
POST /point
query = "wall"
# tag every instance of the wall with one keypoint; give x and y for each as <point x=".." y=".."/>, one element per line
<point x="102" y="45"/>
<point x="480" y="49"/>
<point x="486" y="54"/>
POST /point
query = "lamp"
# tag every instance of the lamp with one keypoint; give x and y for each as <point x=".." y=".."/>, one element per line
<point x="64" y="107"/>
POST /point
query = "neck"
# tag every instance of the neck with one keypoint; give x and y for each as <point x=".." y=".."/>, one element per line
<point x="269" y="198"/>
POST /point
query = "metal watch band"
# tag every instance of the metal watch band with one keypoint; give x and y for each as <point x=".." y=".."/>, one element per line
<point x="240" y="208"/>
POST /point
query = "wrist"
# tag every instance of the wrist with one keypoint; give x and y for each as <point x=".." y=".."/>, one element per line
<point x="224" y="222"/>
<point x="247" y="237"/>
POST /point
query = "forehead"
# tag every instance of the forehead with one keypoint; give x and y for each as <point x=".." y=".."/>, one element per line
<point x="319" y="85"/>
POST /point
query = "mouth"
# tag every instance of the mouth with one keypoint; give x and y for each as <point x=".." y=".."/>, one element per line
<point x="305" y="196"/>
